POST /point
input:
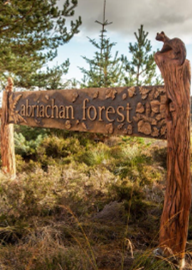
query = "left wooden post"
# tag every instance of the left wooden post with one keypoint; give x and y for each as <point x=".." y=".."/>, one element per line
<point x="7" y="136"/>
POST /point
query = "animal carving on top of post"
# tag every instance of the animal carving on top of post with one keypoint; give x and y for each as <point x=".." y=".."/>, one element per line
<point x="175" y="70"/>
<point x="175" y="47"/>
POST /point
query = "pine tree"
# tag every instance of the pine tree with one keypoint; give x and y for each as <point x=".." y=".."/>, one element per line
<point x="104" y="69"/>
<point x="30" y="33"/>
<point x="142" y="68"/>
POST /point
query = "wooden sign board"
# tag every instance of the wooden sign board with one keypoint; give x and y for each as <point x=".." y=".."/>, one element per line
<point x="138" y="111"/>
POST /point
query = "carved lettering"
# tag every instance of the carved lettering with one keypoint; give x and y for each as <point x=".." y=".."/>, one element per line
<point x="23" y="112"/>
<point x="28" y="109"/>
<point x="42" y="111"/>
<point x="127" y="110"/>
<point x="128" y="115"/>
<point x="37" y="109"/>
<point x="54" y="109"/>
<point x="69" y="112"/>
<point x="84" y="108"/>
<point x="93" y="109"/>
<point x="46" y="111"/>
<point x="49" y="111"/>
<point x="61" y="112"/>
<point x="110" y="110"/>
<point x="33" y="110"/>
<point x="120" y="114"/>
<point x="100" y="113"/>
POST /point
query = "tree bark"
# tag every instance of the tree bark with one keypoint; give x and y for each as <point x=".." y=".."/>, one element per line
<point x="7" y="136"/>
<point x="175" y="217"/>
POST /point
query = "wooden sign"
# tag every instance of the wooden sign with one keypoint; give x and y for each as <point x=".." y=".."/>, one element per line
<point x="138" y="111"/>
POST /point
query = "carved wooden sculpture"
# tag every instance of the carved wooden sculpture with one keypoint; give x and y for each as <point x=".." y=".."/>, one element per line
<point x="175" y="70"/>
<point x="7" y="139"/>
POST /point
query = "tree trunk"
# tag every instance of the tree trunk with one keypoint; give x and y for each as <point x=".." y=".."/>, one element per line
<point x="7" y="137"/>
<point x="175" y="217"/>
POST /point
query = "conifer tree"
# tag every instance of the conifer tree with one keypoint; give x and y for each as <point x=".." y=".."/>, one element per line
<point x="141" y="70"/>
<point x="30" y="33"/>
<point x="104" y="69"/>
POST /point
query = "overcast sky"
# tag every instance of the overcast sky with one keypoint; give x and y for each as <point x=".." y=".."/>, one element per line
<point x="174" y="17"/>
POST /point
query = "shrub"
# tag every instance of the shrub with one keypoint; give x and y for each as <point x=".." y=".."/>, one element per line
<point x="26" y="148"/>
<point x="96" y="155"/>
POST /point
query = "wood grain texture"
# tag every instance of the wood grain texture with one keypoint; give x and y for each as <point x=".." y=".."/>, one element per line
<point x="7" y="136"/>
<point x="176" y="73"/>
<point x="133" y="111"/>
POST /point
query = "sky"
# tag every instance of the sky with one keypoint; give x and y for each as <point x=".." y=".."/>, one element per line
<point x="174" y="17"/>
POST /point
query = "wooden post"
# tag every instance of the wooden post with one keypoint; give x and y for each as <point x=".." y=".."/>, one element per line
<point x="7" y="136"/>
<point x="175" y="70"/>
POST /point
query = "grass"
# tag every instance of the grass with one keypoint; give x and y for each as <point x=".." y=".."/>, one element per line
<point x="77" y="204"/>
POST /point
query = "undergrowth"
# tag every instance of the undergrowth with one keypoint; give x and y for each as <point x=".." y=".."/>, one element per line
<point x="81" y="204"/>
